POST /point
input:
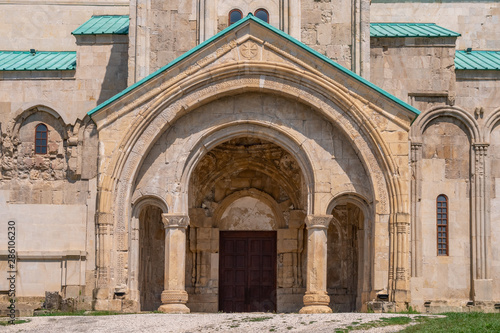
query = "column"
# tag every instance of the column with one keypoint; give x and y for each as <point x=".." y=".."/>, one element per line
<point x="174" y="296"/>
<point x="316" y="299"/>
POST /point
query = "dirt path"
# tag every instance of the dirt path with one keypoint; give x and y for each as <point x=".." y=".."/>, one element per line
<point x="197" y="322"/>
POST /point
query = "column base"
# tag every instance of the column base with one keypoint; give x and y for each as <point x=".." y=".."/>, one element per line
<point x="315" y="309"/>
<point x="316" y="302"/>
<point x="174" y="308"/>
<point x="174" y="301"/>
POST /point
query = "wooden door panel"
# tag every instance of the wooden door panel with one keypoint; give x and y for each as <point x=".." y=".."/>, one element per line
<point x="247" y="271"/>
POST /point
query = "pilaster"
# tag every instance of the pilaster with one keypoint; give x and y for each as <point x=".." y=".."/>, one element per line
<point x="105" y="238"/>
<point x="480" y="231"/>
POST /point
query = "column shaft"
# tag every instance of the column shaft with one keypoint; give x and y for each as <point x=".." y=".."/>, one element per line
<point x="174" y="297"/>
<point x="316" y="299"/>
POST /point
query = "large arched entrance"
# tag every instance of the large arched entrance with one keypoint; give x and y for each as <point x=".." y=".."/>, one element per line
<point x="246" y="201"/>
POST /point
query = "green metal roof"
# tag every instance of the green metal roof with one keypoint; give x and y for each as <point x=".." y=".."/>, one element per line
<point x="409" y="30"/>
<point x="104" y="24"/>
<point x="39" y="61"/>
<point x="479" y="60"/>
<point x="250" y="17"/>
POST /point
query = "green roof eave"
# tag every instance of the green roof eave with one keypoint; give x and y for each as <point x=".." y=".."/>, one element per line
<point x="477" y="60"/>
<point x="37" y="61"/>
<point x="250" y="17"/>
<point x="395" y="30"/>
<point x="104" y="25"/>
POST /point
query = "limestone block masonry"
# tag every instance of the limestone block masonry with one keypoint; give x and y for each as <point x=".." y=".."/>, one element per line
<point x="295" y="165"/>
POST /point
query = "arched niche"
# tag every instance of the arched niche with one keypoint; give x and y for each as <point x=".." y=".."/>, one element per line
<point x="147" y="253"/>
<point x="349" y="272"/>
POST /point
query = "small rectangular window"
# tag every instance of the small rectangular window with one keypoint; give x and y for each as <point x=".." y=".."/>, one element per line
<point x="442" y="225"/>
<point x="41" y="134"/>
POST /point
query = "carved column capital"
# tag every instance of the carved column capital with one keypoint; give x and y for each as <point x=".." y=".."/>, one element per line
<point x="480" y="146"/>
<point x="318" y="221"/>
<point x="175" y="220"/>
<point x="416" y="145"/>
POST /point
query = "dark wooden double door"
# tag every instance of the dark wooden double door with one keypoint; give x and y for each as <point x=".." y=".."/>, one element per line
<point x="247" y="271"/>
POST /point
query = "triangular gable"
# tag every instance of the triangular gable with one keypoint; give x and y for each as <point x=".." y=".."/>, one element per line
<point x="250" y="17"/>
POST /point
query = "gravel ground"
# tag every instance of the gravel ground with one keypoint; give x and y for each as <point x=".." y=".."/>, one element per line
<point x="197" y="322"/>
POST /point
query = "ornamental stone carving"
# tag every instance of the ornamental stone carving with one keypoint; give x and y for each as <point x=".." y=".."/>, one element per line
<point x="318" y="221"/>
<point x="175" y="221"/>
<point x="249" y="50"/>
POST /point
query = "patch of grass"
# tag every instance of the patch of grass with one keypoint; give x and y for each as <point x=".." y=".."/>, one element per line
<point x="289" y="327"/>
<point x="458" y="322"/>
<point x="18" y="321"/>
<point x="377" y="323"/>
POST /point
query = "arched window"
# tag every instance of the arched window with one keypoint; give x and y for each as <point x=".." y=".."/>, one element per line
<point x="234" y="16"/>
<point x="41" y="138"/>
<point x="262" y="14"/>
<point x="442" y="225"/>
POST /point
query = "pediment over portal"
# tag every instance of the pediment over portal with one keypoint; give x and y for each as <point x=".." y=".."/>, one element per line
<point x="255" y="56"/>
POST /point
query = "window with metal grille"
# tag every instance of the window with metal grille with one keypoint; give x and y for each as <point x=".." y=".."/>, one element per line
<point x="41" y="137"/>
<point x="442" y="225"/>
<point x="262" y="14"/>
<point x="234" y="16"/>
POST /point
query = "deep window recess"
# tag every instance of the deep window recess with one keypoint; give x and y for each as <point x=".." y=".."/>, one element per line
<point x="41" y="135"/>
<point x="262" y="14"/>
<point x="442" y="225"/>
<point x="234" y="16"/>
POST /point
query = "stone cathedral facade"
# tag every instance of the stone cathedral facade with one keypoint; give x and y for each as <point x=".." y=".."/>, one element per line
<point x="238" y="156"/>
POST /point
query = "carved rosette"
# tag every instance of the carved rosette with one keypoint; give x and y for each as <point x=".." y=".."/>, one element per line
<point x="175" y="221"/>
<point x="249" y="50"/>
<point x="318" y="221"/>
